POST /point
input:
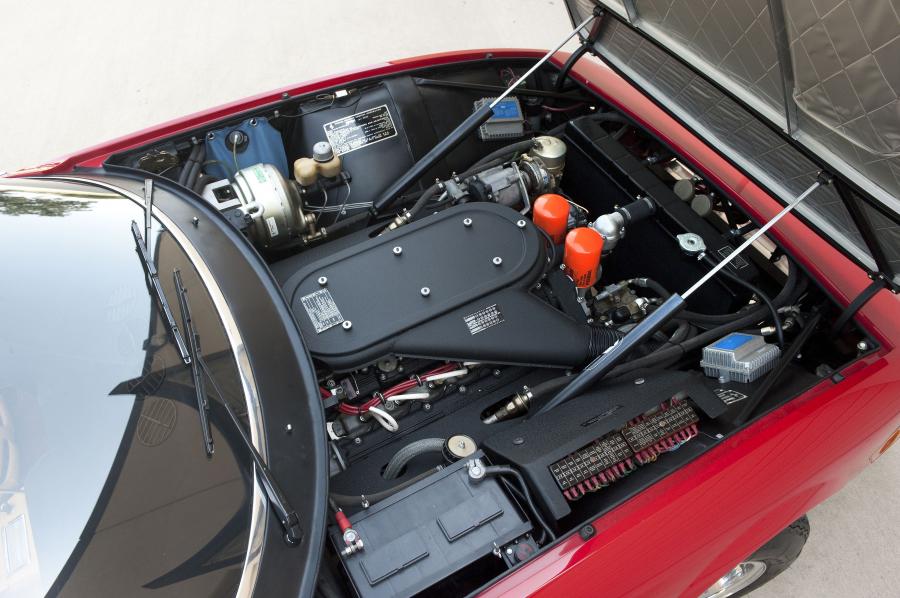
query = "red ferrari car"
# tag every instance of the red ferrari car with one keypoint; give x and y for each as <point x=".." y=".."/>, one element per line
<point x="500" y="322"/>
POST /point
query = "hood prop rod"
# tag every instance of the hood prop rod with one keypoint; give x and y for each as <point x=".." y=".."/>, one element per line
<point x="463" y="130"/>
<point x="599" y="367"/>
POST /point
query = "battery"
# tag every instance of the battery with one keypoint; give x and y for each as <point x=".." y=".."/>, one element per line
<point x="739" y="357"/>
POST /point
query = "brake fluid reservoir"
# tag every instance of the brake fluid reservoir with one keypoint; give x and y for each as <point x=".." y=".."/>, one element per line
<point x="582" y="257"/>
<point x="551" y="215"/>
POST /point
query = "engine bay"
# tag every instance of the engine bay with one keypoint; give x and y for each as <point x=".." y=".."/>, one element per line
<point x="441" y="326"/>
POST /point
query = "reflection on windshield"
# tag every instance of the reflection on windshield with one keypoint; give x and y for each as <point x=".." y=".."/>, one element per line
<point x="104" y="488"/>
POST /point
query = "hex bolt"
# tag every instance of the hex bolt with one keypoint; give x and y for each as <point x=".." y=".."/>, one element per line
<point x="463" y="389"/>
<point x="426" y="406"/>
<point x="289" y="428"/>
<point x="357" y="440"/>
<point x="496" y="373"/>
<point x="497" y="260"/>
<point x="195" y="221"/>
<point x="347" y="325"/>
<point x="398" y="250"/>
<point x="330" y="383"/>
<point x="425" y="291"/>
<point x="323" y="280"/>
<point x="467" y="222"/>
<point x="521" y="223"/>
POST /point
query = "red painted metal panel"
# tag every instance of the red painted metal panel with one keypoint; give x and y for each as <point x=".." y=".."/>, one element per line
<point x="681" y="534"/>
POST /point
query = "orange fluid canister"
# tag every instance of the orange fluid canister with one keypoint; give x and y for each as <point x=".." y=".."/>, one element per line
<point x="582" y="258"/>
<point x="551" y="215"/>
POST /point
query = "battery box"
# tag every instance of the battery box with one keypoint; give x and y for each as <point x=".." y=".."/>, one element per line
<point x="429" y="531"/>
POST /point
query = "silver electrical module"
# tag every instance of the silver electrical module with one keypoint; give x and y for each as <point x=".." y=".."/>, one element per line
<point x="507" y="122"/>
<point x="739" y="357"/>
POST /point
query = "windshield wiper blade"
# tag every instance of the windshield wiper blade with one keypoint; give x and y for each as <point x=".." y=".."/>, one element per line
<point x="288" y="517"/>
<point x="286" y="514"/>
<point x="193" y="343"/>
<point x="150" y="270"/>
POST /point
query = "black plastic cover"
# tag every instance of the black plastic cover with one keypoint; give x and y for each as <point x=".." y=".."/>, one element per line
<point x="454" y="285"/>
<point x="537" y="443"/>
<point x="428" y="532"/>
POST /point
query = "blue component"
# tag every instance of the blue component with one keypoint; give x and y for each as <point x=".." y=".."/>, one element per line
<point x="507" y="108"/>
<point x="264" y="147"/>
<point x="732" y="341"/>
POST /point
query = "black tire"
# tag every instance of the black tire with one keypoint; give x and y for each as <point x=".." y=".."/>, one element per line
<point x="779" y="553"/>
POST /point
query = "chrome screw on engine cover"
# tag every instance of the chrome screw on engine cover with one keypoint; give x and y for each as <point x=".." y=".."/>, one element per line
<point x="497" y="260"/>
<point x="467" y="222"/>
<point x="398" y="250"/>
<point x="323" y="281"/>
<point x="347" y="325"/>
<point x="521" y="224"/>
<point x="425" y="291"/>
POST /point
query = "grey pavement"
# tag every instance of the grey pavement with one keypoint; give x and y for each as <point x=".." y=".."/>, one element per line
<point x="78" y="73"/>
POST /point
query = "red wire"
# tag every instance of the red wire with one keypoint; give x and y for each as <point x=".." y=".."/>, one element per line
<point x="394" y="391"/>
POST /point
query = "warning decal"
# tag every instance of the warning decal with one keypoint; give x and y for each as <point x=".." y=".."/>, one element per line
<point x="360" y="130"/>
<point x="322" y="310"/>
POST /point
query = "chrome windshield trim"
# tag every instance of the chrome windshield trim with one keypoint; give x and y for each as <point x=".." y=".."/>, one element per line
<point x="259" y="505"/>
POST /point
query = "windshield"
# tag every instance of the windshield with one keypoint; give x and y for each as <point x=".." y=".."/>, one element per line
<point x="105" y="488"/>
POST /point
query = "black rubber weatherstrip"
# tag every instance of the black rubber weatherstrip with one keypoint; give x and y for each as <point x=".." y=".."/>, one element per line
<point x="855" y="305"/>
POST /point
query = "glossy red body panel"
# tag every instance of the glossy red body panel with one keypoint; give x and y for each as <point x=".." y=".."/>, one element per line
<point x="680" y="535"/>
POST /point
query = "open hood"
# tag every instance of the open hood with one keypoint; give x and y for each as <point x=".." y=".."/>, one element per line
<point x="783" y="89"/>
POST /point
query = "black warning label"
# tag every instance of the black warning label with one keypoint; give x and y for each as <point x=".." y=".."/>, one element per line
<point x="323" y="312"/>
<point x="359" y="130"/>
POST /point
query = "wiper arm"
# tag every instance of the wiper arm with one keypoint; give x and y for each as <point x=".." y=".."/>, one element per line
<point x="150" y="270"/>
<point x="193" y="343"/>
<point x="286" y="514"/>
<point x="288" y="517"/>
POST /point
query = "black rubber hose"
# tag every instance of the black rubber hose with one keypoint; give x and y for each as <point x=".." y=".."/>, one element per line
<point x="192" y="156"/>
<point x="601" y="339"/>
<point x="754" y="401"/>
<point x="431" y="191"/>
<point x="794" y="287"/>
<point x="567" y="66"/>
<point x="194" y="172"/>
<point x="710" y="319"/>
<point x="357" y="218"/>
<point x="504" y="152"/>
<point x="505" y="470"/>
<point x="409" y="452"/>
<point x="344" y="500"/>
<point x="779" y="330"/>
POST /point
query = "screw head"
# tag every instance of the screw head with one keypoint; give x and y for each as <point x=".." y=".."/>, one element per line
<point x="289" y="428"/>
<point x="862" y="345"/>
<point x="347" y="325"/>
<point x="518" y="441"/>
<point x="497" y="261"/>
<point x="426" y="406"/>
<point x="425" y="291"/>
<point x="521" y="223"/>
<point x="357" y="440"/>
<point x="398" y="250"/>
<point x="323" y="280"/>
<point x="195" y="221"/>
<point x="467" y="222"/>
<point x="639" y="381"/>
